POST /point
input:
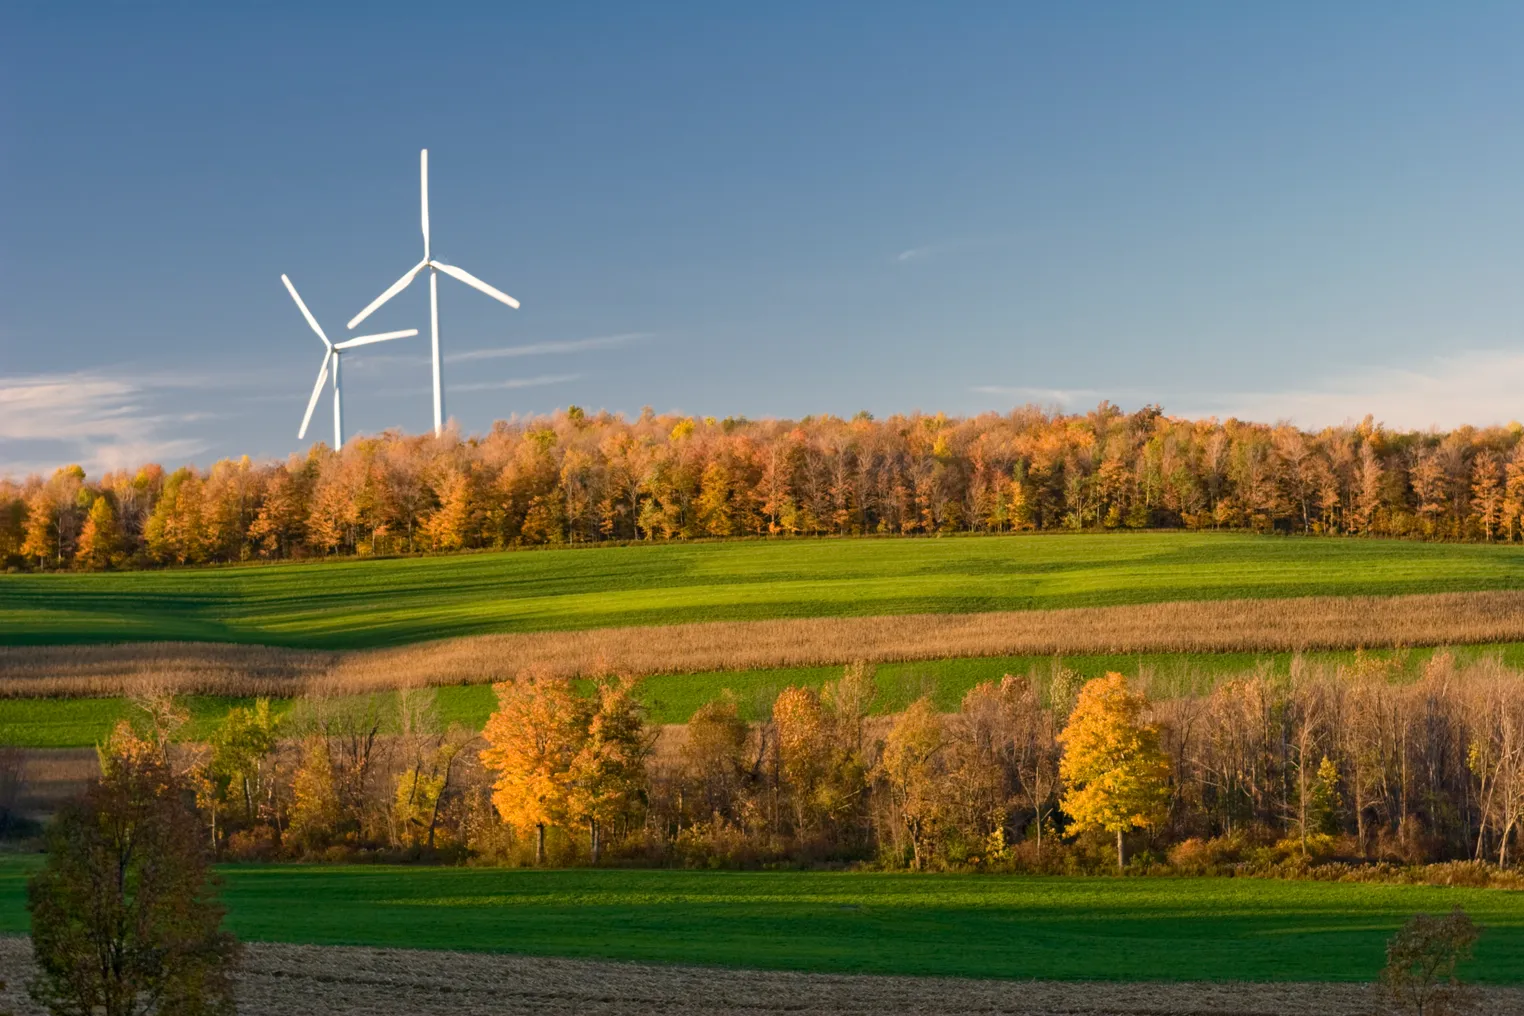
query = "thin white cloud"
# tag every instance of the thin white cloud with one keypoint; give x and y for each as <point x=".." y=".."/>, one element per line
<point x="101" y="421"/>
<point x="517" y="382"/>
<point x="549" y="348"/>
<point x="930" y="251"/>
<point x="492" y="386"/>
<point x="1481" y="388"/>
<point x="1064" y="398"/>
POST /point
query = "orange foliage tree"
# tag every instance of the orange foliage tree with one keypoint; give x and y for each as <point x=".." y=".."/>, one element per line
<point x="532" y="740"/>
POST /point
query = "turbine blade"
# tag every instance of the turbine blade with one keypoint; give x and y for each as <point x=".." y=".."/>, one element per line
<point x="396" y="288"/>
<point x="365" y="340"/>
<point x="423" y="187"/>
<point x="475" y="283"/>
<point x="305" y="312"/>
<point x="317" y="392"/>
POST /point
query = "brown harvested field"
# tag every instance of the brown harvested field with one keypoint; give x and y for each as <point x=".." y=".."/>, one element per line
<point x="50" y="776"/>
<point x="1306" y="623"/>
<point x="121" y="668"/>
<point x="285" y="980"/>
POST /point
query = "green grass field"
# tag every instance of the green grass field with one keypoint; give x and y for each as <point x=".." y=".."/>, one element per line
<point x="672" y="698"/>
<point x="356" y="604"/>
<point x="971" y="926"/>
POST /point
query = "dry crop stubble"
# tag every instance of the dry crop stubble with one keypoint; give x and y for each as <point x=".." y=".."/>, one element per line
<point x="1278" y="625"/>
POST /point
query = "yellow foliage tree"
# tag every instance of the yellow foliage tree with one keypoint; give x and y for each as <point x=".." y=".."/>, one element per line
<point x="1117" y="778"/>
<point x="420" y="791"/>
<point x="100" y="541"/>
<point x="820" y="746"/>
<point x="714" y="758"/>
<point x="606" y="776"/>
<point x="175" y="531"/>
<point x="315" y="810"/>
<point x="803" y="749"/>
<point x="239" y="749"/>
<point x="532" y="739"/>
<point x="910" y="766"/>
<point x="41" y="528"/>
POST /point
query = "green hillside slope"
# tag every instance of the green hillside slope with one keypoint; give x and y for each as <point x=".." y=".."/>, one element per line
<point x="356" y="604"/>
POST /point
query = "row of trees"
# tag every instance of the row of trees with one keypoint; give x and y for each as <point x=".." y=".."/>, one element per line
<point x="574" y="477"/>
<point x="125" y="919"/>
<point x="1041" y="770"/>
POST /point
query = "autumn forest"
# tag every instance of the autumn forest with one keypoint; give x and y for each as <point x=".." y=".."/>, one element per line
<point x="576" y="477"/>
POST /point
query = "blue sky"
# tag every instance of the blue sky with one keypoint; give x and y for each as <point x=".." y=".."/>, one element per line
<point x="1283" y="212"/>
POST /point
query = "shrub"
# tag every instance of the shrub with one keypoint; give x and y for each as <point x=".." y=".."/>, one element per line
<point x="126" y="877"/>
<point x="1421" y="961"/>
<point x="256" y="844"/>
<point x="1200" y="856"/>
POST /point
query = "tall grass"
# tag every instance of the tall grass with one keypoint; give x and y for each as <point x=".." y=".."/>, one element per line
<point x="174" y="667"/>
<point x="1224" y="626"/>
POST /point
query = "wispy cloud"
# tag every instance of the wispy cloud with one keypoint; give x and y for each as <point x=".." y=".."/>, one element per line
<point x="1064" y="398"/>
<point x="101" y="421"/>
<point x="550" y="348"/>
<point x="931" y="251"/>
<point x="491" y="386"/>
<point x="1480" y="388"/>
<point x="517" y="382"/>
<point x="916" y="254"/>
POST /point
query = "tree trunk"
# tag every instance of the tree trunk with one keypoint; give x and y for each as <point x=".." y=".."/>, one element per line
<point x="439" y="797"/>
<point x="434" y="817"/>
<point x="1360" y="823"/>
<point x="539" y="844"/>
<point x="1301" y="792"/>
<point x="595" y="845"/>
<point x="1121" y="854"/>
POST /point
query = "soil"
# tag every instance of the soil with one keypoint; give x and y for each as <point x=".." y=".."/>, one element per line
<point x="341" y="980"/>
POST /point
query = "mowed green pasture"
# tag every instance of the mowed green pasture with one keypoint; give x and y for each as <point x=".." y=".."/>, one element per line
<point x="83" y="722"/>
<point x="673" y="698"/>
<point x="1140" y="929"/>
<point x="357" y="604"/>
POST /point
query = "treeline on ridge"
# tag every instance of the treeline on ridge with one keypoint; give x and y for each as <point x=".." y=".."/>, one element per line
<point x="578" y="478"/>
<point x="1041" y="772"/>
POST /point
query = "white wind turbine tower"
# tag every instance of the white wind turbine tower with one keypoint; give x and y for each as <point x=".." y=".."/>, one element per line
<point x="434" y="267"/>
<point x="331" y="357"/>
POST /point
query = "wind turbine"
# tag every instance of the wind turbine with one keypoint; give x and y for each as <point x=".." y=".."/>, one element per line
<point x="434" y="267"/>
<point x="331" y="356"/>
